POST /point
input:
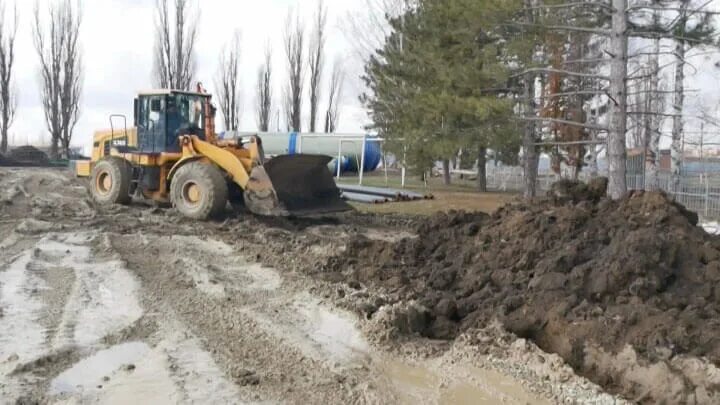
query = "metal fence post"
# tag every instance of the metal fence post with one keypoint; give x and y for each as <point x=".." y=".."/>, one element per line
<point x="707" y="197"/>
<point x="362" y="159"/>
<point x="386" y="168"/>
<point x="402" y="170"/>
<point x="339" y="157"/>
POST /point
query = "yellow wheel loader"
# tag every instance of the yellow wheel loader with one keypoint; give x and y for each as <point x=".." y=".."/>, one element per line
<point x="173" y="155"/>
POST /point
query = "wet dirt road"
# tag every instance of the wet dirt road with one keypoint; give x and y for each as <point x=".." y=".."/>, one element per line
<point x="134" y="305"/>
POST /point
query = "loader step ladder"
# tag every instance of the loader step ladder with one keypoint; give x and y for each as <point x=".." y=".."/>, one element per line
<point x="136" y="177"/>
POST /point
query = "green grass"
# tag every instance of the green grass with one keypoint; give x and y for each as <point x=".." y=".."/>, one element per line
<point x="461" y="195"/>
<point x="412" y="183"/>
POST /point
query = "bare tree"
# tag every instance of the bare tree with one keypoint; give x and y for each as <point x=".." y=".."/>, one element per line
<point x="264" y="92"/>
<point x="175" y="62"/>
<point x="367" y="30"/>
<point x="294" y="44"/>
<point x="337" y="81"/>
<point x="227" y="84"/>
<point x="629" y="20"/>
<point x="317" y="61"/>
<point x="61" y="75"/>
<point x="652" y="162"/>
<point x="8" y="95"/>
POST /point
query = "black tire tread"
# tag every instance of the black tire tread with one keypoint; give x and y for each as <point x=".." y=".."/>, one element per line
<point x="210" y="177"/>
<point x="119" y="170"/>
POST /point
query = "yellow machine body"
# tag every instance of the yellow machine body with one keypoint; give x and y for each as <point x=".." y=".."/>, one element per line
<point x="307" y="184"/>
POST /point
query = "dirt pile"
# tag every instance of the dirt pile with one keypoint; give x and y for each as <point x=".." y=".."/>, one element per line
<point x="29" y="156"/>
<point x="593" y="280"/>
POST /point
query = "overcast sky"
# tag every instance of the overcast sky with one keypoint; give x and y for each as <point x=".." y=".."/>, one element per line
<point x="117" y="41"/>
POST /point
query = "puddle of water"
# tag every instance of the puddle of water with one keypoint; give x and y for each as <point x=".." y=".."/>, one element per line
<point x="104" y="297"/>
<point x="336" y="335"/>
<point x="410" y="383"/>
<point x="452" y="384"/>
<point x="149" y="383"/>
<point x="88" y="373"/>
<point x="20" y="331"/>
<point x="176" y="371"/>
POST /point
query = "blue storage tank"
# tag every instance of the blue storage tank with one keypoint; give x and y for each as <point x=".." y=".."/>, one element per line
<point x="323" y="144"/>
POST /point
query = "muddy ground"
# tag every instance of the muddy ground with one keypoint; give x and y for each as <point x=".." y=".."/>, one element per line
<point x="135" y="304"/>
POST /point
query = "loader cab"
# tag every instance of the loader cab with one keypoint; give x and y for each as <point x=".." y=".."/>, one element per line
<point x="162" y="116"/>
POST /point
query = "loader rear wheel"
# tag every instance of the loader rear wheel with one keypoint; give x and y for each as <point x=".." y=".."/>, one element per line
<point x="199" y="191"/>
<point x="111" y="181"/>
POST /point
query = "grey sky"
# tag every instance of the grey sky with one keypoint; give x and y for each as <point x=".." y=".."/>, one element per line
<point x="117" y="41"/>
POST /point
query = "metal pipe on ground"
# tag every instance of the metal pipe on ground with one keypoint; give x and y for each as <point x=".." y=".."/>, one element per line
<point x="401" y="195"/>
<point x="364" y="198"/>
<point x="385" y="192"/>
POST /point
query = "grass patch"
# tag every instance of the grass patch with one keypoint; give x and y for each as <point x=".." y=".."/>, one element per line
<point x="460" y="195"/>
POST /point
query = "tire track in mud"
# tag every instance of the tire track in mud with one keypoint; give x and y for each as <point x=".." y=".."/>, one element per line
<point x="67" y="311"/>
<point x="271" y="329"/>
<point x="265" y="332"/>
<point x="49" y="291"/>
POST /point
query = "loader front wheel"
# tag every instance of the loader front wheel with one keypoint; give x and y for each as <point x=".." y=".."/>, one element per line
<point x="199" y="191"/>
<point x="111" y="181"/>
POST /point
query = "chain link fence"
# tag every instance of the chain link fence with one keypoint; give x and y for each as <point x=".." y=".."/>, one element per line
<point x="699" y="193"/>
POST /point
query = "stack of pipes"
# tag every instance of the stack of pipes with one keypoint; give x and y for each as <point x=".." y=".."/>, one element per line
<point x="377" y="195"/>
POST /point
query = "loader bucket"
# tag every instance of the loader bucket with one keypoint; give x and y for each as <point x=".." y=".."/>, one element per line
<point x="293" y="185"/>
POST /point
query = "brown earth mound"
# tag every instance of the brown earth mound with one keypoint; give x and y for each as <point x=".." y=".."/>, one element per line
<point x="580" y="275"/>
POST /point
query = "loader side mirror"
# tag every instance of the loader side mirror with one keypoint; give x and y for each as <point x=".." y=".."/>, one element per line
<point x="135" y="112"/>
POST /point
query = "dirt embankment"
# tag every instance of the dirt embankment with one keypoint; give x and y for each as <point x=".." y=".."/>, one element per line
<point x="626" y="292"/>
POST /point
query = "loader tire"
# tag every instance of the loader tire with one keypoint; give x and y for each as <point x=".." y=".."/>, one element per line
<point x="199" y="191"/>
<point x="111" y="181"/>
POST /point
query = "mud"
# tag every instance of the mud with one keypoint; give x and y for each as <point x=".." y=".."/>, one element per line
<point x="136" y="304"/>
<point x="622" y="291"/>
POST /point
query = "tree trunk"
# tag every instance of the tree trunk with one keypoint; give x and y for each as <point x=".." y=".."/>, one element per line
<point x="652" y="161"/>
<point x="481" y="171"/>
<point x="617" y="154"/>
<point x="447" y="180"/>
<point x="530" y="152"/>
<point x="593" y="164"/>
<point x="54" y="146"/>
<point x="7" y="109"/>
<point x="4" y="141"/>
<point x="678" y="102"/>
<point x="593" y="160"/>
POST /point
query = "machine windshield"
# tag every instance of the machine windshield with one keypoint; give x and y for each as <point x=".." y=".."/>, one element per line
<point x="186" y="112"/>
